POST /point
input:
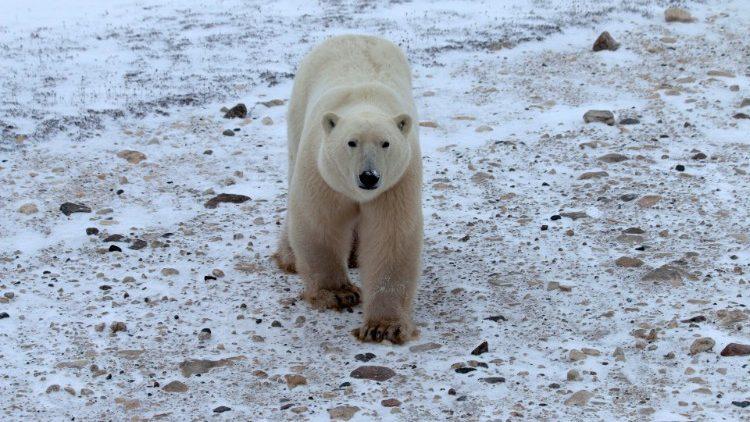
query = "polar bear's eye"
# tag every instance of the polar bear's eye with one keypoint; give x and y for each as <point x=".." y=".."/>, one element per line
<point x="352" y="143"/>
<point x="386" y="144"/>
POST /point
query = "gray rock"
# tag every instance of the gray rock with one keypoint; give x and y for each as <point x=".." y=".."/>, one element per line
<point x="603" y="116"/>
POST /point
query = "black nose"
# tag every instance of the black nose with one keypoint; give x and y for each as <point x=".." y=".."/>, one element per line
<point x="369" y="180"/>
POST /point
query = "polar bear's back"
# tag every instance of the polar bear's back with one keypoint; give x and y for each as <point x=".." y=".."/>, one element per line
<point x="345" y="61"/>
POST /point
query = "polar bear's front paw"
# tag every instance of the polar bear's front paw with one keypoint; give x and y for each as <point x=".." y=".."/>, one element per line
<point x="376" y="331"/>
<point x="347" y="296"/>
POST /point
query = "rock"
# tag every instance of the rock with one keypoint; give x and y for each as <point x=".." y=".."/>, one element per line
<point x="579" y="398"/>
<point x="745" y="102"/>
<point x="4" y="315"/>
<point x="612" y="158"/>
<point x="628" y="197"/>
<point x="237" y="112"/>
<point x="225" y="198"/>
<point x="273" y="103"/>
<point x="593" y="175"/>
<point x="482" y="348"/>
<point x="742" y="404"/>
<point x="574" y="215"/>
<point x="603" y="116"/>
<point x="92" y="231"/>
<point x="132" y="157"/>
<point x="695" y="319"/>
<point x="496" y="318"/>
<point x="228" y="132"/>
<point x="573" y="375"/>
<point x="28" y="209"/>
<point x="390" y="403"/>
<point x="294" y="380"/>
<point x="741" y="116"/>
<point x="605" y="42"/>
<point x="204" y="334"/>
<point x="114" y="238"/>
<point x="169" y="272"/>
<point x="175" y="387"/>
<point x="267" y="121"/>
<point x="222" y="409"/>
<point x="114" y="248"/>
<point x="648" y="201"/>
<point x="432" y="125"/>
<point x="619" y="354"/>
<point x="736" y="349"/>
<point x="118" y="326"/>
<point x="629" y="121"/>
<point x="576" y="355"/>
<point x="343" y="413"/>
<point x="364" y="357"/>
<point x="424" y="347"/>
<point x="666" y="273"/>
<point x="728" y="317"/>
<point x="9" y="295"/>
<point x="720" y="73"/>
<point x="375" y="373"/>
<point x="493" y="380"/>
<point x="628" y="262"/>
<point x="483" y="128"/>
<point x="70" y="208"/>
<point x="138" y="244"/>
<point x="54" y="388"/>
<point x="200" y="366"/>
<point x="676" y="14"/>
<point x="702" y="344"/>
<point x="699" y="156"/>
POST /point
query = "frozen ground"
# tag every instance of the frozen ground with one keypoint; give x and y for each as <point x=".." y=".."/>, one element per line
<point x="501" y="92"/>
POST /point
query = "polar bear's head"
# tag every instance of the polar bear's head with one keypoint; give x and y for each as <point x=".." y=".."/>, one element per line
<point x="363" y="154"/>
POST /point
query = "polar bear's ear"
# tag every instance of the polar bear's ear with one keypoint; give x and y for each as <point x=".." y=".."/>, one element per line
<point x="403" y="122"/>
<point x="330" y="120"/>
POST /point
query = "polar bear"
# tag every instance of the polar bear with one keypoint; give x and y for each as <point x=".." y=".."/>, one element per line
<point x="355" y="169"/>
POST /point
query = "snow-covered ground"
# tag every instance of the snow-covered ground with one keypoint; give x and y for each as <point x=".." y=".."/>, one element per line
<point x="574" y="331"/>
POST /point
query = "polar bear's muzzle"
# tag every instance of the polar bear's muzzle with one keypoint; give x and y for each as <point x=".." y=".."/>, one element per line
<point x="369" y="179"/>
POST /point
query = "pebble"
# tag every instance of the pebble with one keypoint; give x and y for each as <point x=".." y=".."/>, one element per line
<point x="4" y="315"/>
<point x="677" y="14"/>
<point x="364" y="357"/>
<point x="628" y="262"/>
<point x="699" y="156"/>
<point x="432" y="125"/>
<point x="745" y="102"/>
<point x="628" y="197"/>
<point x="579" y="398"/>
<point x="238" y="111"/>
<point x="222" y="409"/>
<point x="612" y="158"/>
<point x="131" y="156"/>
<point x="702" y="344"/>
<point x="54" y="388"/>
<point x="114" y="238"/>
<point x="228" y="132"/>
<point x="736" y="349"/>
<point x="390" y="403"/>
<point x="602" y="116"/>
<point x="294" y="380"/>
<point x="138" y="244"/>
<point x="573" y="375"/>
<point x="493" y="380"/>
<point x="741" y="116"/>
<point x="92" y="231"/>
<point x="593" y="175"/>
<point x="28" y="209"/>
<point x="118" y="326"/>
<point x="114" y="248"/>
<point x="175" y="387"/>
<point x="344" y="412"/>
<point x="605" y="41"/>
<point x="679" y="167"/>
<point x="169" y="272"/>
<point x="648" y="201"/>
<point x="375" y="373"/>
<point x="225" y="198"/>
<point x="481" y="349"/>
<point x="629" y="121"/>
<point x="742" y="404"/>
<point x="273" y="103"/>
<point x="69" y="208"/>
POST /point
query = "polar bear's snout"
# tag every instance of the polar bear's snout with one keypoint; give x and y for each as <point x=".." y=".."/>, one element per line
<point x="369" y="179"/>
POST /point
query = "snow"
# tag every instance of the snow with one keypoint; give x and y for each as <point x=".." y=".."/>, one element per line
<point x="87" y="80"/>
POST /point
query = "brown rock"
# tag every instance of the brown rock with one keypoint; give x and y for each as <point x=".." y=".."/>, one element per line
<point x="118" y="326"/>
<point x="736" y="349"/>
<point x="29" y="208"/>
<point x="702" y="344"/>
<point x="200" y="366"/>
<point x="667" y="273"/>
<point x="648" y="201"/>
<point x="628" y="262"/>
<point x="391" y="403"/>
<point x="579" y="398"/>
<point x="482" y="348"/>
<point x="238" y="111"/>
<point x="676" y="14"/>
<point x="375" y="373"/>
<point x="424" y="347"/>
<point x="343" y="413"/>
<point x="132" y="157"/>
<point x="294" y="380"/>
<point x="605" y="42"/>
<point x="225" y="197"/>
<point x="429" y="124"/>
<point x="175" y="387"/>
<point x="603" y="116"/>
<point x="593" y="175"/>
<point x="612" y="158"/>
